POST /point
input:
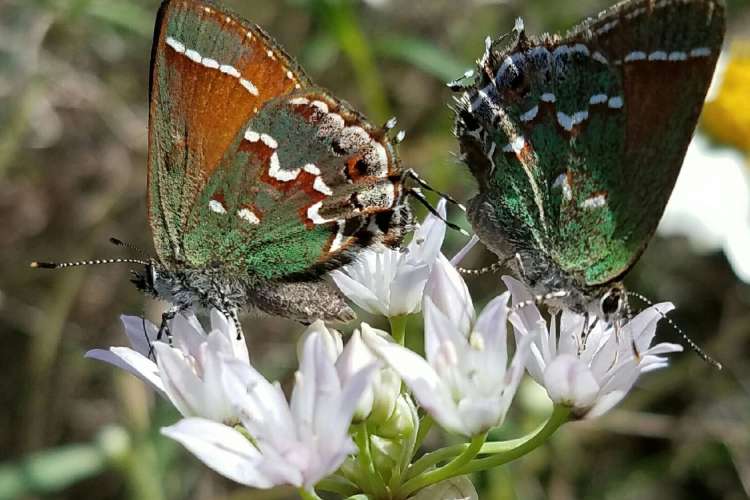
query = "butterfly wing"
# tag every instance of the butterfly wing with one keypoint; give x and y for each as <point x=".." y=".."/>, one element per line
<point x="251" y="168"/>
<point x="317" y="183"/>
<point x="210" y="73"/>
<point x="577" y="141"/>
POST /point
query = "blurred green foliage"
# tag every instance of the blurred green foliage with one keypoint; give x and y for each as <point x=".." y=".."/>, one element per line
<point x="73" y="87"/>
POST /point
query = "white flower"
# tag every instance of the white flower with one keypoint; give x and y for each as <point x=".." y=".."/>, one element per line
<point x="188" y="373"/>
<point x="390" y="282"/>
<point x="379" y="400"/>
<point x="297" y="443"/>
<point x="465" y="383"/>
<point x="719" y="216"/>
<point x="591" y="376"/>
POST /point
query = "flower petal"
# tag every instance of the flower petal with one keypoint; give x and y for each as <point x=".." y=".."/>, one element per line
<point x="357" y="292"/>
<point x="432" y="394"/>
<point x="227" y="452"/>
<point x="570" y="382"/>
<point x="448" y="291"/>
<point x="183" y="387"/>
<point x="133" y="362"/>
<point x="141" y="332"/>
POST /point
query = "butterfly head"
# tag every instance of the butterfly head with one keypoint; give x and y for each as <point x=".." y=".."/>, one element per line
<point x="612" y="304"/>
<point x="147" y="280"/>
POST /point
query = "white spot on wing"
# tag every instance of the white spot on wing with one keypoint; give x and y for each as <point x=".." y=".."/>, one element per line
<point x="658" y="55"/>
<point x="252" y="135"/>
<point x="299" y="101"/>
<point x="615" y="102"/>
<point x="636" y="55"/>
<point x="516" y="145"/>
<point x="569" y="121"/>
<point x="276" y="172"/>
<point x="175" y="44"/>
<point x="311" y="169"/>
<point x="216" y="207"/>
<point x="547" y="97"/>
<point x="530" y="114"/>
<point x="248" y="215"/>
<point x="599" y="57"/>
<point x="269" y="141"/>
<point x="320" y="186"/>
<point x="314" y="215"/>
<point x="598" y="99"/>
<point x="677" y="55"/>
<point x="229" y="70"/>
<point x="193" y="55"/>
<point x="210" y="63"/>
<point x="339" y="239"/>
<point x="700" y="52"/>
<point x="249" y="86"/>
<point x="597" y="201"/>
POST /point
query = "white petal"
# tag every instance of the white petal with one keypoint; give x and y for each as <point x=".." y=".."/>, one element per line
<point x="140" y="332"/>
<point x="448" y="291"/>
<point x="529" y="314"/>
<point x="133" y="362"/>
<point x="358" y="293"/>
<point x="187" y="334"/>
<point x="428" y="238"/>
<point x="331" y="340"/>
<point x="570" y="382"/>
<point x="224" y="450"/>
<point x="440" y="330"/>
<point x="355" y="357"/>
<point x="492" y="325"/>
<point x="432" y="394"/>
<point x="226" y="327"/>
<point x="407" y="289"/>
<point x="183" y="387"/>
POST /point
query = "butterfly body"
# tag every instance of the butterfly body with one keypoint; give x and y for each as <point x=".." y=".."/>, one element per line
<point x="576" y="142"/>
<point x="259" y="182"/>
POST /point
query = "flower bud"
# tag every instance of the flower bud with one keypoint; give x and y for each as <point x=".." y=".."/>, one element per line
<point x="455" y="488"/>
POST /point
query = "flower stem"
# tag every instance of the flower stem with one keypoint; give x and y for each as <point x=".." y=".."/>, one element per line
<point x="398" y="328"/>
<point x="424" y="427"/>
<point x="374" y="483"/>
<point x="308" y="494"/>
<point x="447" y="471"/>
<point x="559" y="416"/>
<point x="512" y="448"/>
<point x="338" y="485"/>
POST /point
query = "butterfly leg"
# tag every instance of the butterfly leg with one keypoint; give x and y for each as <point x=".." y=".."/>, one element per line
<point x="166" y="317"/>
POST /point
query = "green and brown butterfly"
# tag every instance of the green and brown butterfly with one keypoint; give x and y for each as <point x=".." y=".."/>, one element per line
<point x="259" y="182"/>
<point x="576" y="142"/>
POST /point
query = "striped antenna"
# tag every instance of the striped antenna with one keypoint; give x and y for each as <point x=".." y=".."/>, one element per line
<point x="417" y="193"/>
<point x="412" y="174"/>
<point x="60" y="265"/>
<point x="700" y="352"/>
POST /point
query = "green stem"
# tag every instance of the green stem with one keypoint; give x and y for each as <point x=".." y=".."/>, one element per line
<point x="449" y="470"/>
<point x="510" y="449"/>
<point x="370" y="476"/>
<point x="424" y="427"/>
<point x="398" y="328"/>
<point x="338" y="485"/>
<point x="560" y="415"/>
<point x="308" y="494"/>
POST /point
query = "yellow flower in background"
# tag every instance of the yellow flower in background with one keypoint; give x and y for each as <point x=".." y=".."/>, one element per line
<point x="726" y="118"/>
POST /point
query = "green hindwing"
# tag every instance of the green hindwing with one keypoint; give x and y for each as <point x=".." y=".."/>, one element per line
<point x="577" y="141"/>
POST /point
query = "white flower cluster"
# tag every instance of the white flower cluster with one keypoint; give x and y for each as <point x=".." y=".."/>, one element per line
<point x="349" y="400"/>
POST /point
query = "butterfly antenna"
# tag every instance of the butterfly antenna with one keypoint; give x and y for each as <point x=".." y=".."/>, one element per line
<point x="412" y="174"/>
<point x="60" y="265"/>
<point x="119" y="243"/>
<point x="492" y="268"/>
<point x="700" y="352"/>
<point x="417" y="193"/>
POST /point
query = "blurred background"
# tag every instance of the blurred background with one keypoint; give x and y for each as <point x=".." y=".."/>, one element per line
<point x="73" y="139"/>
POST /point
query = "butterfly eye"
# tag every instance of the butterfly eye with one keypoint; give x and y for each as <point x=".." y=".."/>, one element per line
<point x="611" y="303"/>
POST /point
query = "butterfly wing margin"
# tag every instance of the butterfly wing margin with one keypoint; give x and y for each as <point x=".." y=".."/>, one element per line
<point x="210" y="73"/>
